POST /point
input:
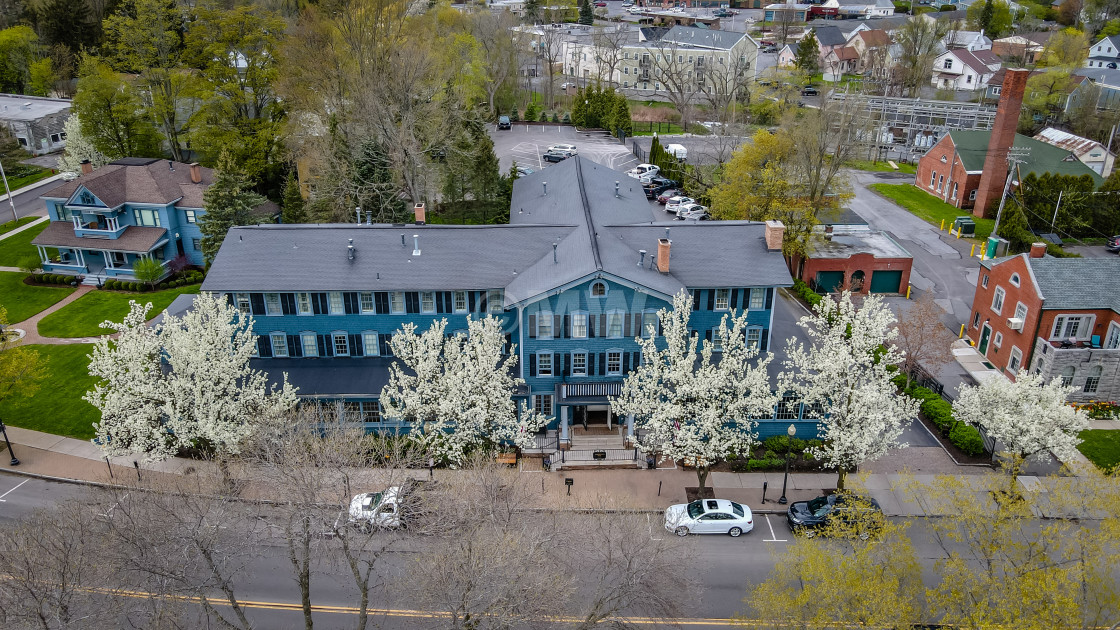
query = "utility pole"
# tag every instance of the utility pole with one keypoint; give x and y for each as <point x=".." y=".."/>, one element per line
<point x="1056" y="206"/>
<point x="1014" y="159"/>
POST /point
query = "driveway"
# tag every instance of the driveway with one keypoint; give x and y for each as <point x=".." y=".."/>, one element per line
<point x="525" y="144"/>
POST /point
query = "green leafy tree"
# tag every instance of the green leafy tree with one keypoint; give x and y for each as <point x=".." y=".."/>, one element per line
<point x="66" y="22"/>
<point x="293" y="207"/>
<point x="19" y="47"/>
<point x="620" y="117"/>
<point x="1067" y="48"/>
<point x="228" y="203"/>
<point x="374" y="184"/>
<point x="1112" y="27"/>
<point x="22" y="369"/>
<point x="586" y="14"/>
<point x="112" y="115"/>
<point x="808" y="54"/>
<point x="148" y="271"/>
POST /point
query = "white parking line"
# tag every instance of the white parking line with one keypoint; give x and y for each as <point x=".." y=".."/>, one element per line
<point x="649" y="522"/>
<point x="113" y="506"/>
<point x="773" y="537"/>
<point x="12" y="490"/>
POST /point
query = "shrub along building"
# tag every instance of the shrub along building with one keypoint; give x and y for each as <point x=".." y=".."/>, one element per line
<point x="581" y="271"/>
<point x="1058" y="317"/>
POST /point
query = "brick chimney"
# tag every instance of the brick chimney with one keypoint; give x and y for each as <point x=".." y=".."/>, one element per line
<point x="1038" y="250"/>
<point x="196" y="173"/>
<point x="1003" y="136"/>
<point x="775" y="233"/>
<point x="663" y="245"/>
<point x="87" y="167"/>
<point x="418" y="209"/>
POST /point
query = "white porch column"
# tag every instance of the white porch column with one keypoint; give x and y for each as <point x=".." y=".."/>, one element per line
<point x="564" y="422"/>
<point x="108" y="259"/>
<point x="609" y="415"/>
<point x="81" y="257"/>
<point x="630" y="427"/>
<point x="42" y="254"/>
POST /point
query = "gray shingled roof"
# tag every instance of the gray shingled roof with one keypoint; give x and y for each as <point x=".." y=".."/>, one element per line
<point x="328" y="377"/>
<point x="829" y="36"/>
<point x="702" y="37"/>
<point x="139" y="180"/>
<point x="1078" y="283"/>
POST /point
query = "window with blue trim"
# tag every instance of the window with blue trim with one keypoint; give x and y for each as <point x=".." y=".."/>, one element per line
<point x="279" y="344"/>
<point x="544" y="364"/>
<point x="579" y="364"/>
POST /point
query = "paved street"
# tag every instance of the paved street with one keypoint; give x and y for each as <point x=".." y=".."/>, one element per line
<point x="27" y="201"/>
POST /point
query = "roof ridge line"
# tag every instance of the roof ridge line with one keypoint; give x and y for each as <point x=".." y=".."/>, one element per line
<point x="587" y="214"/>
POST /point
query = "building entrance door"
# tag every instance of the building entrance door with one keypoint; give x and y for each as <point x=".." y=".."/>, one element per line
<point x="985" y="333"/>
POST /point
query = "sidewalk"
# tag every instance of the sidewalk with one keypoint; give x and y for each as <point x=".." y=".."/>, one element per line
<point x="30" y="326"/>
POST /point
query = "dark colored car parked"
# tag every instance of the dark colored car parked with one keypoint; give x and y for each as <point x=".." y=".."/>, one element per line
<point x="658" y="185"/>
<point x="503" y="122"/>
<point x="1113" y="244"/>
<point x="809" y="91"/>
<point x="555" y="156"/>
<point x="808" y="517"/>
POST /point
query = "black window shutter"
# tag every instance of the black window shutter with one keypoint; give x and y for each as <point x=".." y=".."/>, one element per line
<point x="763" y="341"/>
<point x="448" y="302"/>
<point x="708" y="335"/>
<point x="711" y="299"/>
<point x="626" y="326"/>
<point x="439" y="302"/>
<point x="470" y="301"/>
<point x="264" y="346"/>
<point x="637" y="360"/>
<point x="288" y="303"/>
<point x="590" y="325"/>
<point x="660" y="330"/>
<point x="557" y="322"/>
<point x="381" y="302"/>
<point x="482" y="297"/>
<point x="567" y="326"/>
<point x="532" y="326"/>
<point x="590" y="363"/>
<point x="509" y="344"/>
<point x="625" y="362"/>
<point x="322" y="345"/>
<point x="355" y="345"/>
<point x="383" y="344"/>
<point x="412" y="302"/>
<point x="532" y="365"/>
<point x="229" y="299"/>
<point x="696" y="299"/>
<point x="295" y="346"/>
<point x="567" y="363"/>
<point x="770" y="297"/>
<point x="602" y="363"/>
<point x="734" y="298"/>
<point x="328" y="343"/>
<point x="256" y="303"/>
<point x="350" y="303"/>
<point x="316" y="308"/>
<point x="326" y="308"/>
<point x="602" y="324"/>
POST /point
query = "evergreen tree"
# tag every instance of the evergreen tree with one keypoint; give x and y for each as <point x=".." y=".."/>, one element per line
<point x="579" y="108"/>
<point x="374" y="186"/>
<point x="620" y="116"/>
<point x="586" y="16"/>
<point x="228" y="203"/>
<point x="986" y="14"/>
<point x="66" y="22"/>
<point x="808" y="54"/>
<point x="293" y="208"/>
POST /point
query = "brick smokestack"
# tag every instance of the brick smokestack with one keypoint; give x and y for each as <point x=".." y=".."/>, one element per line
<point x="421" y="215"/>
<point x="87" y="167"/>
<point x="1003" y="136"/>
<point x="663" y="253"/>
<point x="196" y="173"/>
<point x="1038" y="250"/>
<point x="775" y="234"/>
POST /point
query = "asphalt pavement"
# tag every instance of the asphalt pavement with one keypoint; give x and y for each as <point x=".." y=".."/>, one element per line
<point x="526" y="144"/>
<point x="27" y="202"/>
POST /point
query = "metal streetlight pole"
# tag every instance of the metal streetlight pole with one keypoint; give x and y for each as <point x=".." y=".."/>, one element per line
<point x="4" y="430"/>
<point x="791" y="431"/>
<point x="9" y="191"/>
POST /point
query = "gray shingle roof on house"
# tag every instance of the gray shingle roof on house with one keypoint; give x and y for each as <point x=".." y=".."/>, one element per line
<point x="702" y="37"/>
<point x="594" y="232"/>
<point x="139" y="180"/>
<point x="329" y="377"/>
<point x="829" y="36"/>
<point x="133" y="239"/>
<point x="1078" y="283"/>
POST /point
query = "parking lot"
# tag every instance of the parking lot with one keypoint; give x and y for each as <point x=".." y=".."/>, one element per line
<point x="525" y="144"/>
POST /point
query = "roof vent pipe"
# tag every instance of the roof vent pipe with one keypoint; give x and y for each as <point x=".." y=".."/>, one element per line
<point x="358" y="213"/>
<point x="402" y="240"/>
<point x="554" y="259"/>
<point x="171" y="166"/>
<point x="545" y="184"/>
<point x="666" y="233"/>
<point x="416" y="245"/>
<point x="350" y="250"/>
<point x="616" y="188"/>
<point x="642" y="259"/>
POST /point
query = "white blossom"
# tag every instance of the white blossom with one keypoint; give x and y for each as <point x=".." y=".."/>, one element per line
<point x="843" y="379"/>
<point x="696" y="405"/>
<point x="184" y="383"/>
<point x="457" y="390"/>
<point x="1028" y="416"/>
<point x="78" y="148"/>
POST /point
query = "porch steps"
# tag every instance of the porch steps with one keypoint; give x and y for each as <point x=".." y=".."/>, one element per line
<point x="596" y="442"/>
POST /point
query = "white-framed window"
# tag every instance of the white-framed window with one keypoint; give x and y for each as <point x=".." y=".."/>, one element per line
<point x="341" y="344"/>
<point x="542" y="404"/>
<point x="1020" y="311"/>
<point x="579" y="364"/>
<point x="494" y="300"/>
<point x="997" y="300"/>
<point x="976" y="320"/>
<point x="279" y="344"/>
<point x="948" y="64"/>
<point x="972" y="195"/>
<point x="366" y="301"/>
<point x="754" y="338"/>
<point x="544" y="364"/>
<point x="1067" y="375"/>
<point x="243" y="305"/>
<point x="310" y="344"/>
<point x="598" y="289"/>
<point x="614" y="324"/>
<point x="396" y="302"/>
<point x="1071" y="326"/>
<point x="614" y="362"/>
<point x="303" y="303"/>
<point x="723" y="299"/>
<point x="649" y="324"/>
<point x="1014" y="280"/>
<point x="1112" y="339"/>
<point x="370" y="346"/>
<point x="1015" y="361"/>
<point x="272" y="304"/>
<point x="335" y="298"/>
<point x="984" y="281"/>
<point x="1093" y="380"/>
<point x="579" y="325"/>
<point x="190" y="216"/>
<point x="544" y="325"/>
<point x="757" y="298"/>
<point x="997" y="341"/>
<point x="932" y="178"/>
<point x="717" y="341"/>
<point x="427" y="302"/>
<point x="460" y="298"/>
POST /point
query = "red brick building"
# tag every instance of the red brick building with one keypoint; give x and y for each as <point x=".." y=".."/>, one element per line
<point x="856" y="258"/>
<point x="951" y="169"/>
<point x="1059" y="317"/>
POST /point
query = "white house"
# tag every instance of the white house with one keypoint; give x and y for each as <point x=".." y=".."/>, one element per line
<point x="961" y="69"/>
<point x="969" y="40"/>
<point x="1105" y="53"/>
<point x="1089" y="152"/>
<point x="787" y="56"/>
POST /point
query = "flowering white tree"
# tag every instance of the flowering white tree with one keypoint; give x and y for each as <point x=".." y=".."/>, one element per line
<point x="78" y="148"/>
<point x="186" y="383"/>
<point x="457" y="390"/>
<point x="843" y="380"/>
<point x="1026" y="415"/>
<point x="695" y="403"/>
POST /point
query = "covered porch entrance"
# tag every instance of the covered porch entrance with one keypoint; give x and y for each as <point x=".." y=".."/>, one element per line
<point x="585" y="411"/>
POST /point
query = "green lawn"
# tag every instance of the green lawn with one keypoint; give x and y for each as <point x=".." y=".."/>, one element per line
<point x="1101" y="446"/>
<point x="881" y="166"/>
<point x="57" y="407"/>
<point x="82" y="317"/>
<point x="11" y="225"/>
<point x="23" y="301"/>
<point x="929" y="208"/>
<point x="15" y="183"/>
<point x="17" y="248"/>
<point x="646" y="128"/>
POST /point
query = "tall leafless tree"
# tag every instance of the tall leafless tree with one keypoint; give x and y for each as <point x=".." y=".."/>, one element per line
<point x="608" y="43"/>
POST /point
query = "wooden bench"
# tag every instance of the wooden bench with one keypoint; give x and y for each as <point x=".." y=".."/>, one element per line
<point x="509" y="459"/>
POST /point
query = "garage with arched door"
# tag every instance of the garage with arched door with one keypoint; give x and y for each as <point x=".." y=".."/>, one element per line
<point x="855" y="257"/>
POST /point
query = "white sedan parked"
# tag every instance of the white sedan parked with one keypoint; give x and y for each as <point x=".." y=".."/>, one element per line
<point x="675" y="203"/>
<point x="709" y="516"/>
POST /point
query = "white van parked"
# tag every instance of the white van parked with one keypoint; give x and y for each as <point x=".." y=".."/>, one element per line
<point x="678" y="151"/>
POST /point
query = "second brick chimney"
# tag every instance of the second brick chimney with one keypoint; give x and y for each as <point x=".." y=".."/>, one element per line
<point x="87" y="167"/>
<point x="196" y="173"/>
<point x="420" y="214"/>
<point x="775" y="233"/>
<point x="1003" y="136"/>
<point x="1038" y="250"/>
<point x="663" y="251"/>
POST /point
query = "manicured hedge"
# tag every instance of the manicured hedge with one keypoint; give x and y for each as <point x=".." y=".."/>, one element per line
<point x="181" y="279"/>
<point x="938" y="411"/>
<point x="54" y="278"/>
<point x="805" y="293"/>
<point x="967" y="438"/>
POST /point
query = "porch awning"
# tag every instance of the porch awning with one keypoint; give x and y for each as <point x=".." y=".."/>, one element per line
<point x="134" y="239"/>
<point x="587" y="393"/>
